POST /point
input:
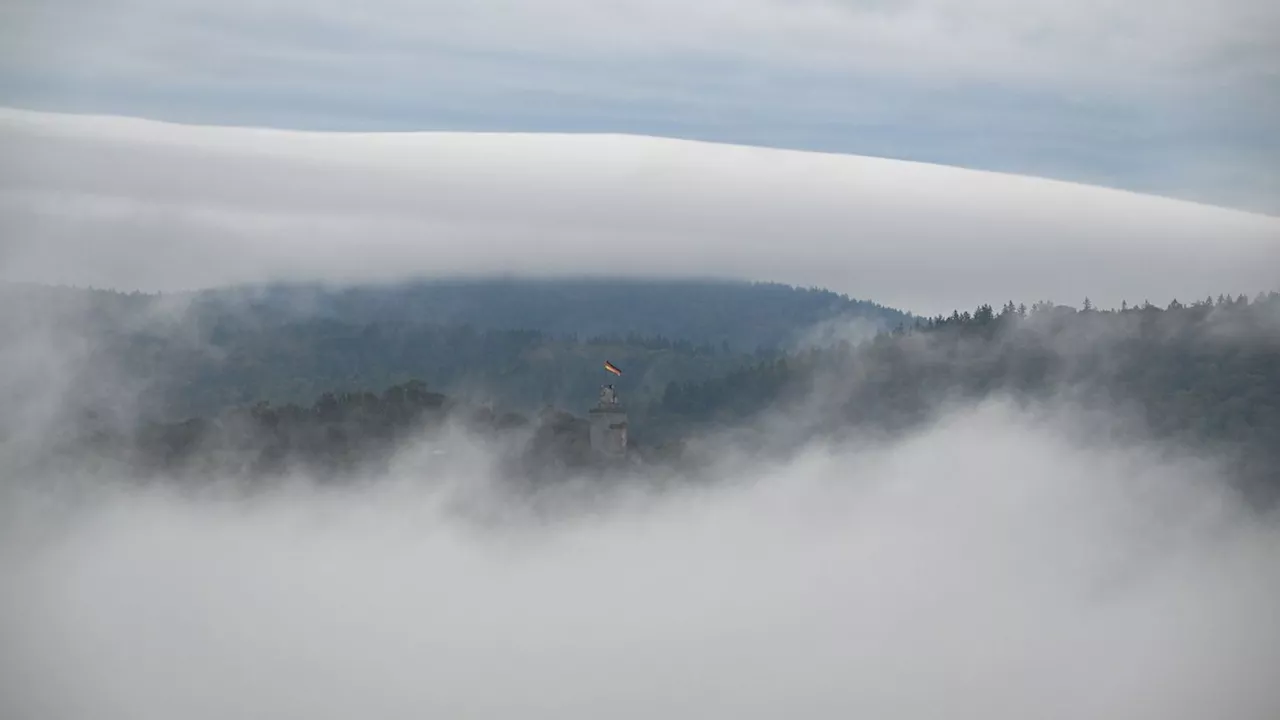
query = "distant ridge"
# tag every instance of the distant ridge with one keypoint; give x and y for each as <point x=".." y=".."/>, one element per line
<point x="522" y="343"/>
<point x="744" y="315"/>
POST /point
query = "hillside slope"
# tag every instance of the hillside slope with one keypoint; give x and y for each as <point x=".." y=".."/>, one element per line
<point x="1203" y="375"/>
<point x="742" y="315"/>
<point x="522" y="344"/>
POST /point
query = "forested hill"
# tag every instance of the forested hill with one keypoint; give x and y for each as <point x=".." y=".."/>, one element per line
<point x="1206" y="373"/>
<point x="737" y="316"/>
<point x="519" y="344"/>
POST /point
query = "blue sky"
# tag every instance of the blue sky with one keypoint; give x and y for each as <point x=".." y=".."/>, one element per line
<point x="1177" y="98"/>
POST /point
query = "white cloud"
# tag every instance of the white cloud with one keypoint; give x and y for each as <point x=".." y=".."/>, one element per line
<point x="987" y="567"/>
<point x="135" y="204"/>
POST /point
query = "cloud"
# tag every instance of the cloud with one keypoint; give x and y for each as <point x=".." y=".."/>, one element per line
<point x="987" y="566"/>
<point x="135" y="204"/>
<point x="1139" y="85"/>
<point x="1085" y="44"/>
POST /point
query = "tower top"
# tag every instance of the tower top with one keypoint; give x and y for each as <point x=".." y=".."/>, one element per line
<point x="608" y="426"/>
<point x="608" y="397"/>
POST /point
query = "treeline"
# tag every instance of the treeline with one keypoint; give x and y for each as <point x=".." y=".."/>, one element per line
<point x="1207" y="373"/>
<point x="296" y="362"/>
<point x="264" y="395"/>
<point x="336" y="433"/>
<point x="341" y="436"/>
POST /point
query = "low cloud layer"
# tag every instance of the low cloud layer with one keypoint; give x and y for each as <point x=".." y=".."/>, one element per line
<point x="986" y="567"/>
<point x="134" y="204"/>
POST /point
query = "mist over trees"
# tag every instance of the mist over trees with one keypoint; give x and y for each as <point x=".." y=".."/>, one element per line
<point x="1200" y="374"/>
<point x="1204" y="373"/>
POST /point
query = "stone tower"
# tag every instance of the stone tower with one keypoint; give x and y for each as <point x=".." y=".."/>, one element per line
<point x="608" y="426"/>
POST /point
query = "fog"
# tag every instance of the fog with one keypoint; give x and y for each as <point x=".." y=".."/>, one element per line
<point x="991" y="565"/>
<point x="134" y="204"/>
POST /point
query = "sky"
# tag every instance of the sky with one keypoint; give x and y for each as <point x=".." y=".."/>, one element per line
<point x="1178" y="98"/>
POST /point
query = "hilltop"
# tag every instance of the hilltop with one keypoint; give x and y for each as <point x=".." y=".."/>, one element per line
<point x="517" y="343"/>
<point x="1202" y="377"/>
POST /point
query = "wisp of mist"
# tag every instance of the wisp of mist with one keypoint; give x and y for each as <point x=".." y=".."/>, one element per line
<point x="991" y="565"/>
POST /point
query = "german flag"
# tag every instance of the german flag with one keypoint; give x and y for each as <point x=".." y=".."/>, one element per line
<point x="612" y="368"/>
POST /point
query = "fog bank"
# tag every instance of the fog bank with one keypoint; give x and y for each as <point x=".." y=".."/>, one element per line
<point x="134" y="204"/>
<point x="988" y="566"/>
